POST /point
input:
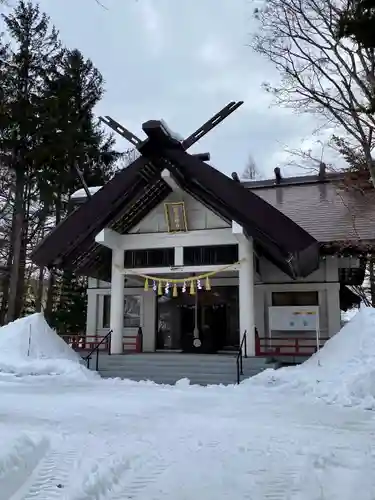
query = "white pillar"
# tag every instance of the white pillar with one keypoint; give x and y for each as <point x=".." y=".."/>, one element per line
<point x="91" y="312"/>
<point x="333" y="296"/>
<point x="117" y="302"/>
<point x="246" y="292"/>
<point x="333" y="308"/>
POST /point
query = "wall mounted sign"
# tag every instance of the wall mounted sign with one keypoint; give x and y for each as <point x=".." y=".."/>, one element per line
<point x="298" y="318"/>
<point x="175" y="217"/>
<point x="294" y="319"/>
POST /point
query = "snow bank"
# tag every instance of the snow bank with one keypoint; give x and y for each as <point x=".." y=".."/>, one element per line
<point x="28" y="346"/>
<point x="342" y="372"/>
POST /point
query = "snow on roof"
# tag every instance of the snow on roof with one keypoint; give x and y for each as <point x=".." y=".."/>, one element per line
<point x="174" y="135"/>
<point x="81" y="193"/>
<point x="342" y="372"/>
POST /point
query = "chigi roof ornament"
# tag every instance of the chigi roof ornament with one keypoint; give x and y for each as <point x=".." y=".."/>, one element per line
<point x="160" y="135"/>
<point x="164" y="165"/>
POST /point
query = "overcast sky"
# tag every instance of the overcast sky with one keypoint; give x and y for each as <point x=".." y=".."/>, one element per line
<point x="183" y="60"/>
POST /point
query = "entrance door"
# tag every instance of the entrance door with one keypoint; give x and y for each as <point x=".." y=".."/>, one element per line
<point x="187" y="324"/>
<point x="212" y="325"/>
<point x="217" y="320"/>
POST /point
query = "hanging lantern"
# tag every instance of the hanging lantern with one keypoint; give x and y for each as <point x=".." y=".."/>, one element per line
<point x="154" y="286"/>
<point x="146" y="285"/>
<point x="184" y="287"/>
<point x="199" y="285"/>
<point x="167" y="288"/>
<point x="160" y="291"/>
<point x="175" y="293"/>
<point x="192" y="287"/>
<point x="207" y="284"/>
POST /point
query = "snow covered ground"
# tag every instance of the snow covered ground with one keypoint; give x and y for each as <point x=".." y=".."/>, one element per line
<point x="76" y="437"/>
<point x="343" y="372"/>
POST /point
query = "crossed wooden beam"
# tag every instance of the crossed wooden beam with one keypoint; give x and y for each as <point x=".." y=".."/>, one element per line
<point x="159" y="129"/>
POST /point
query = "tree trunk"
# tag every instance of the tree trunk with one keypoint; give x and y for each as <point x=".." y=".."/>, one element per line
<point x="6" y="282"/>
<point x="50" y="295"/>
<point x="21" y="291"/>
<point x="5" y="288"/>
<point x="65" y="282"/>
<point x="372" y="280"/>
<point x="17" y="233"/>
<point x="21" y="272"/>
<point x="39" y="291"/>
<point x="370" y="162"/>
<point x="52" y="278"/>
<point x="372" y="171"/>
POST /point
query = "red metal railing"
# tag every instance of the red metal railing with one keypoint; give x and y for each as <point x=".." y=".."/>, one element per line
<point x="88" y="342"/>
<point x="287" y="346"/>
<point x="76" y="342"/>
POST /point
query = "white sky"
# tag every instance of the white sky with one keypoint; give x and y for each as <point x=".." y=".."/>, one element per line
<point x="181" y="61"/>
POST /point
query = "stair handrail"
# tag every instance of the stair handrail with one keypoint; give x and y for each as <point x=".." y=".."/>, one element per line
<point x="96" y="349"/>
<point x="241" y="355"/>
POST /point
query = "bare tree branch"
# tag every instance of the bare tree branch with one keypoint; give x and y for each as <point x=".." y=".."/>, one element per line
<point x="101" y="5"/>
<point x="251" y="171"/>
<point x="320" y="74"/>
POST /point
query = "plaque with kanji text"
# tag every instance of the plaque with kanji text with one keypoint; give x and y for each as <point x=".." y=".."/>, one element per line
<point x="175" y="217"/>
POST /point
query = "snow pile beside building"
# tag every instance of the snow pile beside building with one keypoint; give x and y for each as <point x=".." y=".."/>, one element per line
<point x="28" y="346"/>
<point x="342" y="372"/>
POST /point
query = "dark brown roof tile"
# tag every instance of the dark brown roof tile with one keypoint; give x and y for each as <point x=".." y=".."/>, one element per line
<point x="325" y="210"/>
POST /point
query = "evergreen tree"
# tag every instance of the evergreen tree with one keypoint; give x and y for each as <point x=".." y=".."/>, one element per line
<point x="69" y="316"/>
<point x="358" y="22"/>
<point x="30" y="55"/>
<point x="251" y="171"/>
<point x="47" y="132"/>
<point x="75" y="141"/>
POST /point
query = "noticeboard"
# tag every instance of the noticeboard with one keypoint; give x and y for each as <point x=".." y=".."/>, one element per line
<point x="299" y="318"/>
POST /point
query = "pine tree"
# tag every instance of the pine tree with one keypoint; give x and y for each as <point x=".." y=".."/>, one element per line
<point x="75" y="141"/>
<point x="251" y="171"/>
<point x="358" y="22"/>
<point x="47" y="131"/>
<point x="34" y="45"/>
<point x="69" y="316"/>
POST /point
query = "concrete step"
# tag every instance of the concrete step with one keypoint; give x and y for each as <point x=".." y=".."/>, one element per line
<point x="177" y="374"/>
<point x="170" y="379"/>
<point x="168" y="368"/>
<point x="179" y="368"/>
<point x="176" y="360"/>
<point x="174" y="366"/>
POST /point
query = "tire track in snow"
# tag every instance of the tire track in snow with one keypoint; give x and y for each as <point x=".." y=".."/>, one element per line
<point x="146" y="476"/>
<point x="52" y="474"/>
<point x="277" y="483"/>
<point x="143" y="483"/>
<point x="336" y="472"/>
<point x="51" y="478"/>
<point x="341" y="473"/>
<point x="113" y="475"/>
<point x="16" y="470"/>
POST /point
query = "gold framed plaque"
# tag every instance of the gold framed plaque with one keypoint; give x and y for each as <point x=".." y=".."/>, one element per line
<point x="175" y="217"/>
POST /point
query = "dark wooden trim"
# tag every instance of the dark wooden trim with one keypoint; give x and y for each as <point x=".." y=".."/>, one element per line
<point x="137" y="189"/>
<point x="282" y="241"/>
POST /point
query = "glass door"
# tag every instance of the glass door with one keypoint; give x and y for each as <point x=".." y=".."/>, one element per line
<point x="168" y="332"/>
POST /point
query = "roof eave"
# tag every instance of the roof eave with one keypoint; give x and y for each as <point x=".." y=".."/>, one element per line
<point x="298" y="263"/>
